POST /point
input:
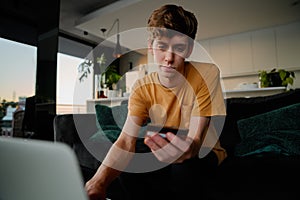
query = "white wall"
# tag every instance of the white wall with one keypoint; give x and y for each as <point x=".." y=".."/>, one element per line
<point x="241" y="56"/>
<point x="132" y="57"/>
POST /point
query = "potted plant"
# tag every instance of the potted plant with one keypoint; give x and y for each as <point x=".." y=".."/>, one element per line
<point x="276" y="78"/>
<point x="106" y="80"/>
<point x="110" y="78"/>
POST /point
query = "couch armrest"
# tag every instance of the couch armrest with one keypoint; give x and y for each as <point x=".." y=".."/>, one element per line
<point x="74" y="128"/>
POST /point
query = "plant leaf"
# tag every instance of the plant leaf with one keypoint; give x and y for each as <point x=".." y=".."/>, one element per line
<point x="290" y="80"/>
<point x="282" y="74"/>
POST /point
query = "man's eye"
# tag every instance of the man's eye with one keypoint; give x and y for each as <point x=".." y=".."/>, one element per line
<point x="180" y="49"/>
<point x="162" y="47"/>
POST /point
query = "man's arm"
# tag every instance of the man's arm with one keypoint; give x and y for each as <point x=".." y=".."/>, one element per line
<point x="211" y="142"/>
<point x="205" y="140"/>
<point x="115" y="161"/>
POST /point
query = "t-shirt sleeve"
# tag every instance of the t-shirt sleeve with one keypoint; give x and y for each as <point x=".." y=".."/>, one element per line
<point x="209" y="94"/>
<point x="137" y="104"/>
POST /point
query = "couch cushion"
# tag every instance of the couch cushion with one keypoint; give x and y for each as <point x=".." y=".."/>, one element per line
<point x="110" y="121"/>
<point x="106" y="118"/>
<point x="277" y="131"/>
<point x="241" y="108"/>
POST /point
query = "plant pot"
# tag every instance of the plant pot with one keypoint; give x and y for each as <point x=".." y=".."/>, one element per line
<point x="112" y="93"/>
<point x="274" y="79"/>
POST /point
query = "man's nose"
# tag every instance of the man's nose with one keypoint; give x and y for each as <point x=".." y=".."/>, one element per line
<point x="169" y="56"/>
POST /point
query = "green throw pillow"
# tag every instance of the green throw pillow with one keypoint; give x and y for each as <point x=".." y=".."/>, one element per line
<point x="110" y="121"/>
<point x="111" y="116"/>
<point x="100" y="135"/>
<point x="277" y="131"/>
<point x="104" y="116"/>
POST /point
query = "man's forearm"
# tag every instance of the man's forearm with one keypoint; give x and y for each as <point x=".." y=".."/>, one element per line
<point x="116" y="160"/>
<point x="121" y="153"/>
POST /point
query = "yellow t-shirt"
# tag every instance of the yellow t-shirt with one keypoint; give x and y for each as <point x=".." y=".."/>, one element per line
<point x="200" y="95"/>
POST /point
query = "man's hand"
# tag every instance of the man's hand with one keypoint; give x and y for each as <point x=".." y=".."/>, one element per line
<point x="172" y="149"/>
<point x="94" y="190"/>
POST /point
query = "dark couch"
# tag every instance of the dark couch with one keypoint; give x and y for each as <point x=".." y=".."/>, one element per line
<point x="264" y="175"/>
<point x="267" y="173"/>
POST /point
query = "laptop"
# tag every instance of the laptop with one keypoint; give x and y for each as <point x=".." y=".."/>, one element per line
<point x="36" y="169"/>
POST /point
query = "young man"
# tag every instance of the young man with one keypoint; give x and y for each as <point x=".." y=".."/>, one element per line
<point x="180" y="94"/>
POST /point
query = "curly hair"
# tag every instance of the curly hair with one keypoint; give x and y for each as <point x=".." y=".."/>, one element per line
<point x="172" y="17"/>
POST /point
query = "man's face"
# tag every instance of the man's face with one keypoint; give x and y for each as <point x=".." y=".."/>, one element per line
<point x="170" y="54"/>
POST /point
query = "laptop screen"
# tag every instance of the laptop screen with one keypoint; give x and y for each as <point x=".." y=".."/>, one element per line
<point x="35" y="170"/>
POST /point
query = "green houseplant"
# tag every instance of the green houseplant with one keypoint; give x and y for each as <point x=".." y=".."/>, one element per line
<point x="110" y="77"/>
<point x="109" y="74"/>
<point x="276" y="78"/>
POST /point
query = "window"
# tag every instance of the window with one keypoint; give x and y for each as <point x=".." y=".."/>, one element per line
<point x="18" y="70"/>
<point x="17" y="79"/>
<point x="71" y="95"/>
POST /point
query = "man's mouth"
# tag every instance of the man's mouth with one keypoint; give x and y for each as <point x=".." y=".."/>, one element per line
<point x="167" y="68"/>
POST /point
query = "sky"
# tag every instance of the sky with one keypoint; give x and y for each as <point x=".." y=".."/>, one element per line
<point x="17" y="64"/>
<point x="18" y="71"/>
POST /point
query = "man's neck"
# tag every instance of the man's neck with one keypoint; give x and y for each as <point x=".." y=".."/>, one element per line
<point x="173" y="81"/>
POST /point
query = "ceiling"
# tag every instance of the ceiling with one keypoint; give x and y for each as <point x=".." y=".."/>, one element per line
<point x="72" y="10"/>
<point x="83" y="19"/>
<point x="216" y="17"/>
